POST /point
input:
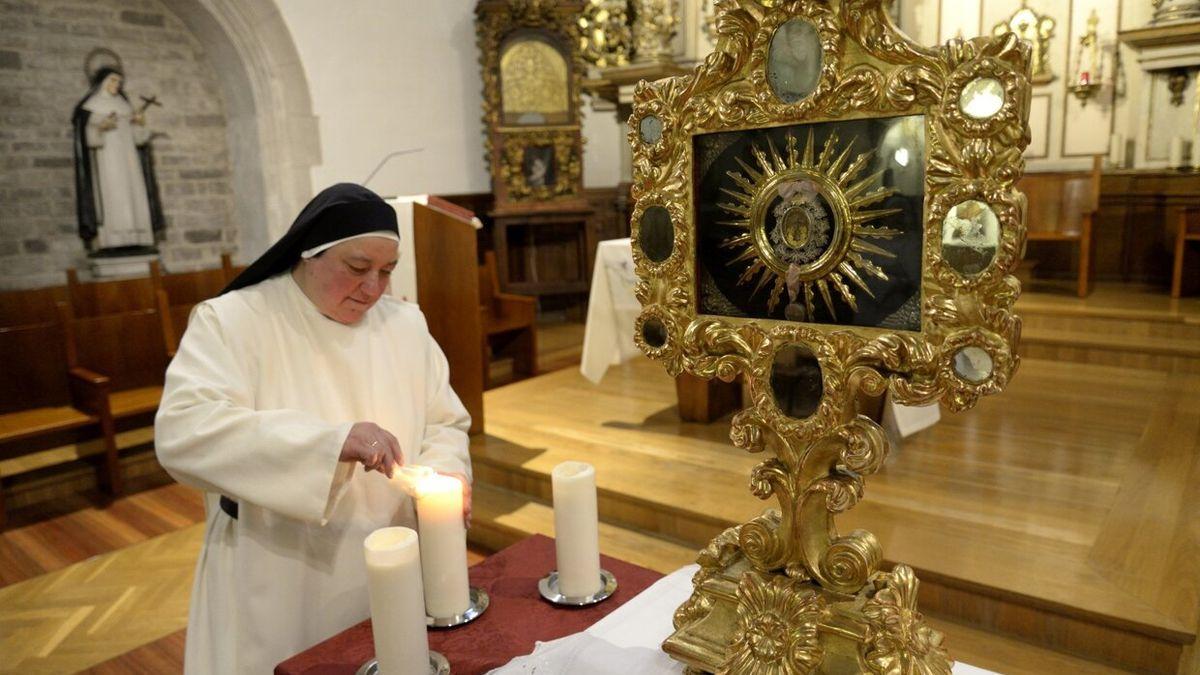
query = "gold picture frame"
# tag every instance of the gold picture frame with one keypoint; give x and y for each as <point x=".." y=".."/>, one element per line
<point x="787" y="592"/>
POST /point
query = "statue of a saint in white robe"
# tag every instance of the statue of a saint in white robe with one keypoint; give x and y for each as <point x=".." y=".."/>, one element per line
<point x="117" y="197"/>
<point x="258" y="402"/>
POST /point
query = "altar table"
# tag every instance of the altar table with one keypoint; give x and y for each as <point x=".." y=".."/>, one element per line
<point x="515" y="621"/>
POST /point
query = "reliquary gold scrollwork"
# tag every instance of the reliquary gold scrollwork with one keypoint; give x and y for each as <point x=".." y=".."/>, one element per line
<point x="824" y="200"/>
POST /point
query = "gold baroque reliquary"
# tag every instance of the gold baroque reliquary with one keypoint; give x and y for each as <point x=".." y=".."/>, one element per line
<point x="532" y="72"/>
<point x="828" y="209"/>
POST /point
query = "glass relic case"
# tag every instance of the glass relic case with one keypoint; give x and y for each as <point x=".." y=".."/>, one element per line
<point x="827" y="209"/>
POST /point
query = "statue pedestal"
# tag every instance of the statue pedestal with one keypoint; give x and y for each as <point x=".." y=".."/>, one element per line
<point x="122" y="266"/>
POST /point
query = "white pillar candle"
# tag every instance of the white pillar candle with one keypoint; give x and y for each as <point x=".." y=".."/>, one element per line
<point x="576" y="529"/>
<point x="1116" y="151"/>
<point x="1175" y="156"/>
<point x="443" y="546"/>
<point x="397" y="602"/>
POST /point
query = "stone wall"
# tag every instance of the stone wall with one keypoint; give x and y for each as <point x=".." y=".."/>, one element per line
<point x="43" y="45"/>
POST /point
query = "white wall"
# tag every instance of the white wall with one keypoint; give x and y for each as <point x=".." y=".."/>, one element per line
<point x="392" y="74"/>
<point x="1065" y="133"/>
<point x="386" y="75"/>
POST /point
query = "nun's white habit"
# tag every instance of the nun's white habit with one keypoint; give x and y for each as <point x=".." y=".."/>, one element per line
<point x="257" y="403"/>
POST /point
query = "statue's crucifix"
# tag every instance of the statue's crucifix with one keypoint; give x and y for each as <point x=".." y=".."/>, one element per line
<point x="147" y="102"/>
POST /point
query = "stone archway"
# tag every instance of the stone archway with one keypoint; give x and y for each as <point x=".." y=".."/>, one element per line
<point x="273" y="135"/>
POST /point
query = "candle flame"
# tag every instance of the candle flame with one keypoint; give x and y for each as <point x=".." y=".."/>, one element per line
<point x="421" y="481"/>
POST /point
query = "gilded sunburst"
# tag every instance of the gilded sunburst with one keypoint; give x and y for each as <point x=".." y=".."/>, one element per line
<point x="806" y="223"/>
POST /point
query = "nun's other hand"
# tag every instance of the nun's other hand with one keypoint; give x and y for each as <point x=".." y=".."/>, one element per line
<point x="466" y="483"/>
<point x="374" y="447"/>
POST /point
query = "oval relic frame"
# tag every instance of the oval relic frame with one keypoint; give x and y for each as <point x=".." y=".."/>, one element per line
<point x="815" y="466"/>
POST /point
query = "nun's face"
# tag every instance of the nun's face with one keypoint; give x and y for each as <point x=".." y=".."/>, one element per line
<point x="346" y="280"/>
<point x="112" y="84"/>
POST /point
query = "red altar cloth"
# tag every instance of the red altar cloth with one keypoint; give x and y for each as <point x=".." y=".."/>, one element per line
<point x="517" y="617"/>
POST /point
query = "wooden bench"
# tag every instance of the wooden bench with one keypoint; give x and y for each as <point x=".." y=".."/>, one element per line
<point x="42" y="395"/>
<point x="508" y="320"/>
<point x="185" y="290"/>
<point x="31" y="306"/>
<point x="1062" y="206"/>
<point x="121" y="328"/>
<point x="1189" y="231"/>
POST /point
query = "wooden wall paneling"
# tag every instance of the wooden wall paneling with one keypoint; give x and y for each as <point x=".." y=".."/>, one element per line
<point x="30" y="306"/>
<point x="448" y="291"/>
<point x="1136" y="223"/>
<point x="97" y="298"/>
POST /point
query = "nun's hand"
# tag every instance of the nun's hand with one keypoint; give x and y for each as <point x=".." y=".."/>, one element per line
<point x="466" y="483"/>
<point x="374" y="447"/>
<point x="108" y="123"/>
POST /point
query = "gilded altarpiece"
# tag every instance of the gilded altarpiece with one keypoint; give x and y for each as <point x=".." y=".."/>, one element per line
<point x="828" y="209"/>
<point x="532" y="71"/>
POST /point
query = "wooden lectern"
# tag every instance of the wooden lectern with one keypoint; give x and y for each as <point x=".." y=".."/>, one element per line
<point x="445" y="280"/>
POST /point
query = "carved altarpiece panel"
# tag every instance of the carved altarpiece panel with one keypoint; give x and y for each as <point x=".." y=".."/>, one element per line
<point x="532" y="71"/>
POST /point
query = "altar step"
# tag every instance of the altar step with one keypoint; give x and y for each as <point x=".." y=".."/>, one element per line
<point x="1042" y="576"/>
<point x="503" y="517"/>
<point x="1142" y="640"/>
<point x="1121" y="326"/>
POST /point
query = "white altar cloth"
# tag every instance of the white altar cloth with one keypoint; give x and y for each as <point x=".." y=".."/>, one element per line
<point x="612" y="310"/>
<point x="627" y="642"/>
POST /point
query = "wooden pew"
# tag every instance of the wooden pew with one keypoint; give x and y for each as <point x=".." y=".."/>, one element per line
<point x="508" y="320"/>
<point x="31" y="306"/>
<point x="43" y="395"/>
<point x="130" y="348"/>
<point x="1189" y="231"/>
<point x="185" y="290"/>
<point x="1062" y="206"/>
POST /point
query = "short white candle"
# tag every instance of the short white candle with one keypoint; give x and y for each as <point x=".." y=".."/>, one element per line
<point x="1175" y="156"/>
<point x="443" y="545"/>
<point x="397" y="602"/>
<point x="576" y="529"/>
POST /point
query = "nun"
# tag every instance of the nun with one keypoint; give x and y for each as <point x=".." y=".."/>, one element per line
<point x="300" y="372"/>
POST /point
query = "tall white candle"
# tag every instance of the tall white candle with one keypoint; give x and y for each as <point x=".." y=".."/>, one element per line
<point x="576" y="529"/>
<point x="1116" y="151"/>
<point x="1175" y="156"/>
<point x="397" y="602"/>
<point x="443" y="546"/>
